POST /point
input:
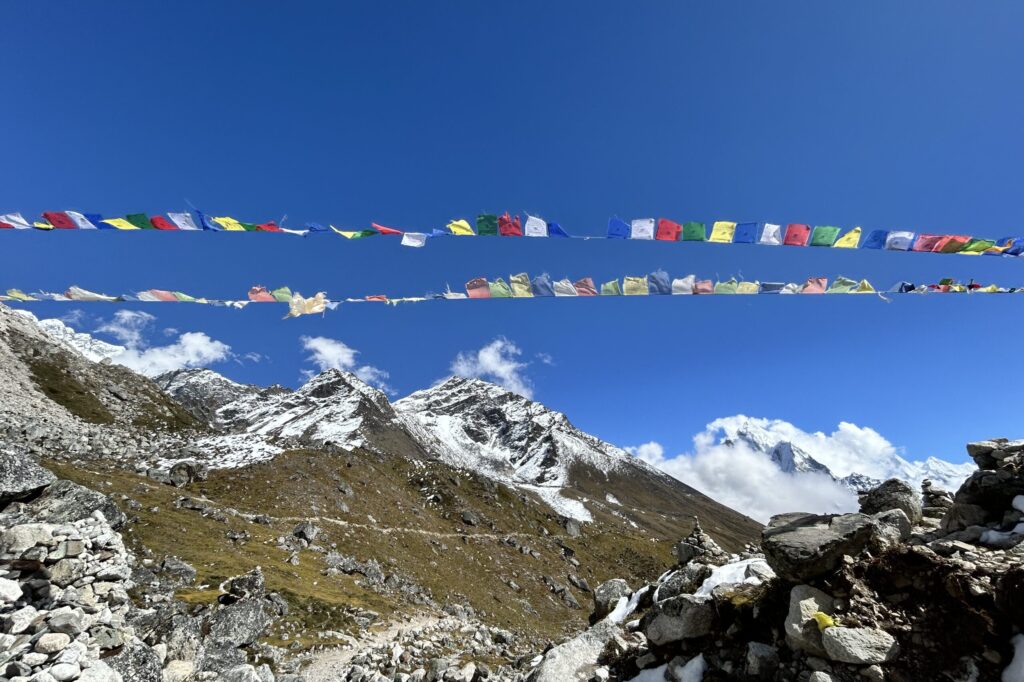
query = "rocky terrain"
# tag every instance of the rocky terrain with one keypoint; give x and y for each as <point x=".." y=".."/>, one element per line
<point x="194" y="528"/>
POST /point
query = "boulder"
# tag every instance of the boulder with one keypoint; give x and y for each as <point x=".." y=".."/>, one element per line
<point x="799" y="547"/>
<point x="306" y="530"/>
<point x="239" y="624"/>
<point x="470" y="518"/>
<point x="686" y="580"/>
<point x="802" y="632"/>
<point x="859" y="646"/>
<point x="678" y="618"/>
<point x="893" y="494"/>
<point x="136" y="662"/>
<point x="607" y="596"/>
<point x="21" y="476"/>
<point x="99" y="671"/>
<point x="241" y="673"/>
<point x="185" y="472"/>
<point x="177" y="571"/>
<point x="66" y="502"/>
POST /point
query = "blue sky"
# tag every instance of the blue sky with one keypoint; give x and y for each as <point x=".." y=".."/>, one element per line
<point x="885" y="115"/>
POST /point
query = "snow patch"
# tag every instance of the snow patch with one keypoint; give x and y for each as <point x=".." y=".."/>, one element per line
<point x="747" y="571"/>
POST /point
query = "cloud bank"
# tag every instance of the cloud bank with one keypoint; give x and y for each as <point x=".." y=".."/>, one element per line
<point x="191" y="349"/>
<point x="326" y="353"/>
<point x="497" y="362"/>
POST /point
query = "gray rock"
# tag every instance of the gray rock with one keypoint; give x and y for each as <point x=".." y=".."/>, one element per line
<point x="686" y="580"/>
<point x="52" y="642"/>
<point x="185" y="472"/>
<point x="607" y="596"/>
<point x="178" y="571"/>
<point x="10" y="591"/>
<point x="70" y="623"/>
<point x="99" y="671"/>
<point x="65" y="672"/>
<point x="21" y="476"/>
<point x="799" y="547"/>
<point x="678" y="618"/>
<point x="241" y="673"/>
<point x="893" y="494"/>
<point x="239" y="624"/>
<point x="762" y="660"/>
<point x="859" y="646"/>
<point x="307" y="530"/>
<point x="801" y="629"/>
<point x="819" y="676"/>
<point x="470" y="518"/>
<point x="136" y="662"/>
<point x="66" y="502"/>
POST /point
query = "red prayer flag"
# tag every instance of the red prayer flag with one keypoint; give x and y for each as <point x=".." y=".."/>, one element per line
<point x="60" y="219"/>
<point x="509" y="226"/>
<point x="814" y="285"/>
<point x="585" y="287"/>
<point x="797" y="235"/>
<point x="478" y="288"/>
<point x="704" y="286"/>
<point x="162" y="223"/>
<point x="268" y="227"/>
<point x="261" y="295"/>
<point x="377" y="297"/>
<point x="161" y="295"/>
<point x="5" y="226"/>
<point x="668" y="230"/>
<point x="926" y="242"/>
<point x="385" y="230"/>
<point x="952" y="243"/>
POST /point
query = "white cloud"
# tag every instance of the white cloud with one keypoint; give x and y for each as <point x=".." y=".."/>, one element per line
<point x="192" y="349"/>
<point x="127" y="327"/>
<point x="497" y="362"/>
<point x="328" y="354"/>
<point x="74" y="318"/>
<point x="653" y="453"/>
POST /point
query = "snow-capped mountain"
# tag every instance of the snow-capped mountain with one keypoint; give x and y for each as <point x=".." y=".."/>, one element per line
<point x="91" y="348"/>
<point x="202" y="391"/>
<point x="757" y="435"/>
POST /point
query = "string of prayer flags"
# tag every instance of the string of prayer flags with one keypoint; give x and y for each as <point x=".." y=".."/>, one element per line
<point x="14" y="221"/>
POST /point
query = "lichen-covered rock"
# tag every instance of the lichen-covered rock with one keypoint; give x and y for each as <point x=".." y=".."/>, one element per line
<point x="679" y="618"/>
<point x="20" y="475"/>
<point x="804" y="546"/>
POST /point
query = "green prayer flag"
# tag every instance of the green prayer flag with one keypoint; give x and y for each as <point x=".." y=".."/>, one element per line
<point x="139" y="220"/>
<point x="842" y="285"/>
<point x="694" y="232"/>
<point x="282" y="294"/>
<point x="728" y="287"/>
<point x="824" y="235"/>
<point x="611" y="288"/>
<point x="499" y="289"/>
<point x="487" y="225"/>
<point x="978" y="246"/>
<point x="183" y="298"/>
<point x="249" y="227"/>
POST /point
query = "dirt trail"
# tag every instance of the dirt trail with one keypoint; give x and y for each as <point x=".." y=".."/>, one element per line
<point x="326" y="666"/>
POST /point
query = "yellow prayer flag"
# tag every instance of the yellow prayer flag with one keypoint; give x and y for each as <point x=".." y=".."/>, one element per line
<point x="42" y="225"/>
<point x="120" y="223"/>
<point x="748" y="288"/>
<point x="864" y="288"/>
<point x="306" y="306"/>
<point x="461" y="228"/>
<point x="521" y="286"/>
<point x="229" y="224"/>
<point x="722" y="232"/>
<point x="19" y="295"/>
<point x="850" y="240"/>
<point x="634" y="286"/>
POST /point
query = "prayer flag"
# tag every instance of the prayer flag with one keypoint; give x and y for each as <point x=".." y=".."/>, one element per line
<point x="841" y="285"/>
<point x="876" y="239"/>
<point x="385" y="230"/>
<point x="478" y="288"/>
<point x="229" y="224"/>
<point x="555" y="230"/>
<point x="748" y="287"/>
<point x="694" y="232"/>
<point x="414" y="239"/>
<point x="499" y="289"/>
<point x="1000" y="247"/>
<point x="641" y="228"/>
<point x="899" y="240"/>
<point x="658" y="283"/>
<point x="814" y="285"/>
<point x="634" y="286"/>
<point x="864" y="287"/>
<point x="316" y="227"/>
<point x="15" y="221"/>
<point x="60" y="220"/>
<point x="926" y="242"/>
<point x="771" y="288"/>
<point x="535" y="227"/>
<point x="797" y="234"/>
<point x="161" y="223"/>
<point x="704" y="286"/>
<point x="139" y="220"/>
<point x="771" y="235"/>
<point x="585" y="287"/>
<point x="282" y="294"/>
<point x="850" y="240"/>
<point x="618" y="229"/>
<point x="119" y="223"/>
<point x="564" y="287"/>
<point x="183" y="221"/>
<point x="668" y="231"/>
<point x="746" y="233"/>
<point x="261" y="295"/>
<point x="824" y="235"/>
<point x="976" y="246"/>
<point x="487" y="225"/>
<point x="508" y="226"/>
<point x="541" y="286"/>
<point x="611" y="288"/>
<point x="80" y="221"/>
<point x="727" y="287"/>
<point x="268" y="227"/>
<point x="521" y="286"/>
<point x="952" y="243"/>
<point x="722" y="232"/>
<point x="297" y="305"/>
<point x="1017" y="247"/>
<point x="684" y="285"/>
<point x="461" y="228"/>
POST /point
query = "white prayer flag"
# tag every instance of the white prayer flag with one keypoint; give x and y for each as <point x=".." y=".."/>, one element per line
<point x="414" y="239"/>
<point x="16" y="220"/>
<point x="899" y="241"/>
<point x="183" y="221"/>
<point x="564" y="287"/>
<point x="80" y="221"/>
<point x="684" y="285"/>
<point x="642" y="228"/>
<point x="771" y="235"/>
<point x="535" y="227"/>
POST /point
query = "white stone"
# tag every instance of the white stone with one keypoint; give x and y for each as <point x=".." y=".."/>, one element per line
<point x="100" y="672"/>
<point x="10" y="591"/>
<point x="178" y="671"/>
<point x="52" y="642"/>
<point x="21" y="619"/>
<point x="63" y="672"/>
<point x="860" y="646"/>
<point x="19" y="538"/>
